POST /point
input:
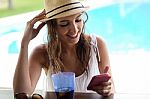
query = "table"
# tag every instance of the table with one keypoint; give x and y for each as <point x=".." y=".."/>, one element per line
<point x="8" y="94"/>
<point x="77" y="95"/>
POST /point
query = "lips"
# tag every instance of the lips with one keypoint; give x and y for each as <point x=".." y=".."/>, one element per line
<point x="73" y="36"/>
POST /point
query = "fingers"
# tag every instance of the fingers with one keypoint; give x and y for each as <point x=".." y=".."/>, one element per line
<point x="40" y="26"/>
<point x="106" y="83"/>
<point x="31" y="31"/>
<point x="41" y="14"/>
<point x="106" y="69"/>
<point x="34" y="20"/>
<point x="103" y="86"/>
<point x="103" y="89"/>
<point x="39" y="17"/>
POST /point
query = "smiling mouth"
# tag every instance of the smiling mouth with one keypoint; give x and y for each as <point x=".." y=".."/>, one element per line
<point x="73" y="36"/>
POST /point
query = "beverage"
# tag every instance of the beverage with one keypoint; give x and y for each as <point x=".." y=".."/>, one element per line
<point x="65" y="93"/>
<point x="64" y="84"/>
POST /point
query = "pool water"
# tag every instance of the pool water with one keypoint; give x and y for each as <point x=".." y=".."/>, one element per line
<point x="123" y="28"/>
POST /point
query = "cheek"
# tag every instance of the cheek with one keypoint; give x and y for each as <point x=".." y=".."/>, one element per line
<point x="80" y="25"/>
<point x="62" y="31"/>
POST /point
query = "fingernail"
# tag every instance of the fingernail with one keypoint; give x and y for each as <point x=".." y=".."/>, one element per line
<point x="105" y="91"/>
<point x="106" y="69"/>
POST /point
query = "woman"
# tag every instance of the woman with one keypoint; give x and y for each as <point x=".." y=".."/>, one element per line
<point x="67" y="49"/>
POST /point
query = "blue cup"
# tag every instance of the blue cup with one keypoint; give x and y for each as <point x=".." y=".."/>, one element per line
<point x="64" y="83"/>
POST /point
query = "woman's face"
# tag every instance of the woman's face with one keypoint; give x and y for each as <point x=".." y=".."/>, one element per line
<point x="69" y="28"/>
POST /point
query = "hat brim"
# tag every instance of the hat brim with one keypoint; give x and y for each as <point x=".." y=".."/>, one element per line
<point x="65" y="14"/>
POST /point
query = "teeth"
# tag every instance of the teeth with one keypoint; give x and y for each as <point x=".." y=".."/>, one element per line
<point x="73" y="36"/>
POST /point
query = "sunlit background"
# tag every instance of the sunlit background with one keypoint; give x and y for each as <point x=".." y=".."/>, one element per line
<point x="124" y="25"/>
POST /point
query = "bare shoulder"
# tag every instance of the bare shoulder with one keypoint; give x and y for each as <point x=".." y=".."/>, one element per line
<point x="100" y="42"/>
<point x="88" y="37"/>
<point x="39" y="54"/>
<point x="103" y="52"/>
<point x="39" y="50"/>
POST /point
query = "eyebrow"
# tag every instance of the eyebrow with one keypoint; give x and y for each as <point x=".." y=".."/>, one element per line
<point x="63" y="21"/>
<point x="79" y="15"/>
<point x="76" y="17"/>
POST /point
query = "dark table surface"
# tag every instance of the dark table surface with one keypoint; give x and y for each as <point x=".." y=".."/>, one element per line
<point x="8" y="94"/>
<point x="78" y="95"/>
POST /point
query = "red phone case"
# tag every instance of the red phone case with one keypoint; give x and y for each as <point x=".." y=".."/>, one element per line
<point x="96" y="80"/>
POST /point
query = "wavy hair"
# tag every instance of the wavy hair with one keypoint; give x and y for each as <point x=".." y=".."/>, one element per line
<point x="54" y="48"/>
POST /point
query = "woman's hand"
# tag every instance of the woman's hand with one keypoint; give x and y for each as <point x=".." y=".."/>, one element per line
<point x="30" y="31"/>
<point x="105" y="88"/>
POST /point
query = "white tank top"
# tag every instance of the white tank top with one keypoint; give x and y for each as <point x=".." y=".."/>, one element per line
<point x="82" y="81"/>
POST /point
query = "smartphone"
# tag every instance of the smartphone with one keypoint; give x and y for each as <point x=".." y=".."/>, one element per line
<point x="98" y="79"/>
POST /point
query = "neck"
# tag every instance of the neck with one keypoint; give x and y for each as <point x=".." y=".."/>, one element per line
<point x="68" y="49"/>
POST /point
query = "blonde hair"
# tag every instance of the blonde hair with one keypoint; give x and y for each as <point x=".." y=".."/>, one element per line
<point x="54" y="49"/>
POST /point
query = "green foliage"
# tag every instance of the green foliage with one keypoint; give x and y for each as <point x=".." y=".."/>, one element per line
<point x="21" y="6"/>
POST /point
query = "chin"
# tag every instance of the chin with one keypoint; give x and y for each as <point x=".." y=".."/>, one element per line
<point x="74" y="41"/>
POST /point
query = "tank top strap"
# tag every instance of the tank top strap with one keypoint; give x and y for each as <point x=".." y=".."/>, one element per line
<point x="94" y="43"/>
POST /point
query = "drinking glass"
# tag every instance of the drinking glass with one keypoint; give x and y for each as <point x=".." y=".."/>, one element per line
<point x="64" y="84"/>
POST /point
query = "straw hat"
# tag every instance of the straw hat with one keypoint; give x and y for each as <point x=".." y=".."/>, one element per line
<point x="61" y="8"/>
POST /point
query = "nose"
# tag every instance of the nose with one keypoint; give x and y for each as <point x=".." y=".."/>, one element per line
<point x="74" y="27"/>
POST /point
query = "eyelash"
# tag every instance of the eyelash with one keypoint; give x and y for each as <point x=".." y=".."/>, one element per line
<point x="64" y="25"/>
<point x="77" y="20"/>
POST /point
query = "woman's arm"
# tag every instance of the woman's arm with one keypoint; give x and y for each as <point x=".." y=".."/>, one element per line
<point x="108" y="87"/>
<point x="103" y="52"/>
<point x="28" y="71"/>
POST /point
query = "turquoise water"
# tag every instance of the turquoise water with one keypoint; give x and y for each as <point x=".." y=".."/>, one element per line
<point x="123" y="29"/>
<point x="10" y="31"/>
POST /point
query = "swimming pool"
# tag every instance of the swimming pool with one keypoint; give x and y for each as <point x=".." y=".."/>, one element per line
<point x="125" y="28"/>
<point x="122" y="28"/>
